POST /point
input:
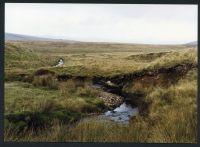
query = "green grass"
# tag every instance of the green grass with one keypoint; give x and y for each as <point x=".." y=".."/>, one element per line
<point x="21" y="96"/>
<point x="32" y="107"/>
<point x="40" y="108"/>
<point x="172" y="119"/>
<point x="18" y="57"/>
<point x="84" y="48"/>
<point x="107" y="62"/>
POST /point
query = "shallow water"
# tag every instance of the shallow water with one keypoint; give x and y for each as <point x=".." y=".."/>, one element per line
<point x="97" y="86"/>
<point x="123" y="113"/>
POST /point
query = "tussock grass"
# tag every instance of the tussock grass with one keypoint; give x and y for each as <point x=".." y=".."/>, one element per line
<point x="17" y="56"/>
<point x="174" y="58"/>
<point x="46" y="81"/>
<point x="31" y="107"/>
<point x="56" y="106"/>
<point x="21" y="96"/>
<point x="107" y="62"/>
<point x="83" y="48"/>
<point x="172" y="118"/>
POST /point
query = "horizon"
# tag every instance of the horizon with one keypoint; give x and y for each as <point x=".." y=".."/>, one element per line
<point x="60" y="39"/>
<point x="115" y="23"/>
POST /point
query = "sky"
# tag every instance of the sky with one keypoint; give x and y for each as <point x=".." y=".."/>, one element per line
<point x="124" y="23"/>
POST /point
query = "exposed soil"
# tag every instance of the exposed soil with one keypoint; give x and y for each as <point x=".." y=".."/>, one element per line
<point x="113" y="93"/>
<point x="41" y="72"/>
<point x="140" y="82"/>
<point x="175" y="72"/>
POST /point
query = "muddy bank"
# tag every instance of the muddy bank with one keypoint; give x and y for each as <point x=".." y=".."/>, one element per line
<point x="120" y="80"/>
<point x="113" y="94"/>
<point x="114" y="89"/>
<point x="139" y="83"/>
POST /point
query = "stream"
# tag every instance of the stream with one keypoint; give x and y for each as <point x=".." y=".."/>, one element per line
<point x="122" y="113"/>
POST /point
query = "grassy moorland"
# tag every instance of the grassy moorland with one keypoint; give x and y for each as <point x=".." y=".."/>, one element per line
<point x="41" y="108"/>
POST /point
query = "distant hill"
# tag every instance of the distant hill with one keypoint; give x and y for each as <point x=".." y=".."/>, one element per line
<point x="18" y="37"/>
<point x="194" y="43"/>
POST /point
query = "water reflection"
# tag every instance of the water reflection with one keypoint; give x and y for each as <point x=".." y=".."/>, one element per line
<point x="123" y="113"/>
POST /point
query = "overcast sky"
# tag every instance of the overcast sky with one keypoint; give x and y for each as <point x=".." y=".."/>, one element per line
<point x="156" y="24"/>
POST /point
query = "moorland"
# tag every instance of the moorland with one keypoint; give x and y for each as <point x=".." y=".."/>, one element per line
<point x="48" y="103"/>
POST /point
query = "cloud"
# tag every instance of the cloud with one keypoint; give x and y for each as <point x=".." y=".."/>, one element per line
<point x="162" y="24"/>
